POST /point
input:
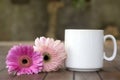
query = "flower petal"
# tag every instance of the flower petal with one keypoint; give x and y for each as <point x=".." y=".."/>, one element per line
<point x="55" y="48"/>
<point x="15" y="56"/>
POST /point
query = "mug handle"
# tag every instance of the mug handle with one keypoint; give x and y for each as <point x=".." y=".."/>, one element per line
<point x="115" y="48"/>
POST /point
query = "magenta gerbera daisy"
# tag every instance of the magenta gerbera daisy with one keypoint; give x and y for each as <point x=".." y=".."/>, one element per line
<point x="53" y="52"/>
<point x="22" y="59"/>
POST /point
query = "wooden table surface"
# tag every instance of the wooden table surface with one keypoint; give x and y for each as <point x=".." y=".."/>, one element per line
<point x="110" y="71"/>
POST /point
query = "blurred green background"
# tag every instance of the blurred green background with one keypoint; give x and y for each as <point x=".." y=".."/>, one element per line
<point x="24" y="20"/>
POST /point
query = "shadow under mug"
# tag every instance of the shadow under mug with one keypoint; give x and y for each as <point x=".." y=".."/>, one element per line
<point x="85" y="49"/>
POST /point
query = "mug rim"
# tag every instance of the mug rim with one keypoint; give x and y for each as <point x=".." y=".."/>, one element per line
<point x="85" y="29"/>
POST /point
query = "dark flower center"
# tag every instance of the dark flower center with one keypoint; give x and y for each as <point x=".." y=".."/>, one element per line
<point x="24" y="61"/>
<point x="46" y="57"/>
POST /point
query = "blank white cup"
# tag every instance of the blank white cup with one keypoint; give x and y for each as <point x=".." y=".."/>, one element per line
<point x="85" y="49"/>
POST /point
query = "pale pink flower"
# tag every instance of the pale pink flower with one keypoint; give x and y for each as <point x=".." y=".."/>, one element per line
<point x="53" y="52"/>
<point x="22" y="59"/>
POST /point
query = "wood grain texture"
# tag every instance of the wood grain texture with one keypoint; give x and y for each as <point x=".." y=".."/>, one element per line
<point x="86" y="76"/>
<point x="39" y="76"/>
<point x="3" y="54"/>
<point x="60" y="75"/>
<point x="5" y="76"/>
<point x="110" y="75"/>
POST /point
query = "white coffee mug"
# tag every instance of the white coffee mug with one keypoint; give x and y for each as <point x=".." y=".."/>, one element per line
<point x="85" y="49"/>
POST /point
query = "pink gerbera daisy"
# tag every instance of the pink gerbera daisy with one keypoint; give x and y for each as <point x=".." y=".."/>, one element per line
<point x="22" y="59"/>
<point x="53" y="53"/>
